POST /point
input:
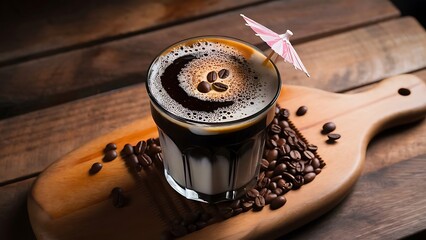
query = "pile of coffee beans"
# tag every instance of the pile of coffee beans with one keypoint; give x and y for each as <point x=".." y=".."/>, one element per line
<point x="288" y="163"/>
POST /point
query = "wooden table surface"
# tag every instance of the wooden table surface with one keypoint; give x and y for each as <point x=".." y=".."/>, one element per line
<point x="73" y="71"/>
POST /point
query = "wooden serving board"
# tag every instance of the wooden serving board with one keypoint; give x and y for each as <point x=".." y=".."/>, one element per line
<point x="67" y="203"/>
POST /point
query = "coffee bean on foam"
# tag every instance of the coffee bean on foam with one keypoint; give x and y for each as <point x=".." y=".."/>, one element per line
<point x="233" y="69"/>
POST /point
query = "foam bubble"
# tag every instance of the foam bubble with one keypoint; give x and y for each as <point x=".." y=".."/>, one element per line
<point x="251" y="84"/>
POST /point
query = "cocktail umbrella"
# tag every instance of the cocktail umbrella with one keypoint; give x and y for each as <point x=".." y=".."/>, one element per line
<point x="279" y="43"/>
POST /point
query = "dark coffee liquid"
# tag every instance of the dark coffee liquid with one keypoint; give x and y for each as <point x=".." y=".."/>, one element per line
<point x="212" y="99"/>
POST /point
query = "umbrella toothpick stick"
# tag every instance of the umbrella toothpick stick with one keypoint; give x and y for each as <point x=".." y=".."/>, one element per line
<point x="280" y="44"/>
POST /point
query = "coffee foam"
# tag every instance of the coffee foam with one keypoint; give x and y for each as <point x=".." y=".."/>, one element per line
<point x="252" y="85"/>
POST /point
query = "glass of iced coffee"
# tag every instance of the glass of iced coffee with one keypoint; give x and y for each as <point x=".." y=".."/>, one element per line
<point x="212" y="99"/>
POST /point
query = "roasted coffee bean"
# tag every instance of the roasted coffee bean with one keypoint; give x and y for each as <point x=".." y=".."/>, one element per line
<point x="275" y="137"/>
<point x="211" y="76"/>
<point x="118" y="199"/>
<point x="153" y="149"/>
<point x="264" y="164"/>
<point x="278" y="202"/>
<point x="109" y="156"/>
<point x="133" y="162"/>
<point x="280" y="168"/>
<point x="280" y="142"/>
<point x="295" y="155"/>
<point x="301" y="110"/>
<point x="252" y="193"/>
<point x="284" y="113"/>
<point x="158" y="158"/>
<point x="145" y="160"/>
<point x="220" y="87"/>
<point x="301" y="145"/>
<point x="309" y="177"/>
<point x="271" y="144"/>
<point x="264" y="182"/>
<point x="127" y="150"/>
<point x="272" y="186"/>
<point x="316" y="163"/>
<point x="110" y="146"/>
<point x="278" y="191"/>
<point x="283" y="124"/>
<point x="299" y="167"/>
<point x="270" y="197"/>
<point x="275" y="128"/>
<point x="318" y="171"/>
<point x="276" y="178"/>
<point x="308" y="169"/>
<point x="96" y="167"/>
<point x="204" y="87"/>
<point x="281" y="183"/>
<point x="333" y="137"/>
<point x="272" y="154"/>
<point x="259" y="202"/>
<point x="236" y="203"/>
<point x="328" y="127"/>
<point x="247" y="205"/>
<point x="140" y="147"/>
<point x="263" y="192"/>
<point x="288" y="186"/>
<point x="298" y="181"/>
<point x="290" y="141"/>
<point x="308" y="155"/>
<point x="312" y="148"/>
<point x="269" y="173"/>
<point x="272" y="165"/>
<point x="224" y="73"/>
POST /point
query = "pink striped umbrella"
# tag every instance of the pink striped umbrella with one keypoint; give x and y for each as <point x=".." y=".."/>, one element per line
<point x="279" y="43"/>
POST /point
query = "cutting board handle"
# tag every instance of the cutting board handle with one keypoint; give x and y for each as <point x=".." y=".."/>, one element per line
<point x="394" y="101"/>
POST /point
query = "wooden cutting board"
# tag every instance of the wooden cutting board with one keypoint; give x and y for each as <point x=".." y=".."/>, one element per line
<point x="66" y="203"/>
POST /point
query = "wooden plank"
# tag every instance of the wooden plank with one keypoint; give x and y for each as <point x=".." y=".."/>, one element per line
<point x="30" y="29"/>
<point x="57" y="79"/>
<point x="34" y="140"/>
<point x="385" y="204"/>
<point x="14" y="221"/>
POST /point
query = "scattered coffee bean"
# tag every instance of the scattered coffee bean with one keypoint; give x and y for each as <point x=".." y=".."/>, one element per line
<point x="127" y="150"/>
<point x="220" y="87"/>
<point x="96" y="167"/>
<point x="278" y="202"/>
<point x="301" y="110"/>
<point x="110" y="146"/>
<point x="224" y="73"/>
<point x="328" y="127"/>
<point x="333" y="136"/>
<point x="109" y="156"/>
<point x="204" y="87"/>
<point x="211" y="76"/>
<point x="118" y="199"/>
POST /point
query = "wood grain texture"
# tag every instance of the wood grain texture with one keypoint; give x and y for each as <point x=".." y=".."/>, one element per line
<point x="59" y="129"/>
<point x="64" y="77"/>
<point x="385" y="204"/>
<point x="30" y="29"/>
<point x="51" y="209"/>
<point x="14" y="221"/>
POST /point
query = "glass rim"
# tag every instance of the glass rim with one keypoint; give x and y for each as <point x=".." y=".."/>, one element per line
<point x="212" y="124"/>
